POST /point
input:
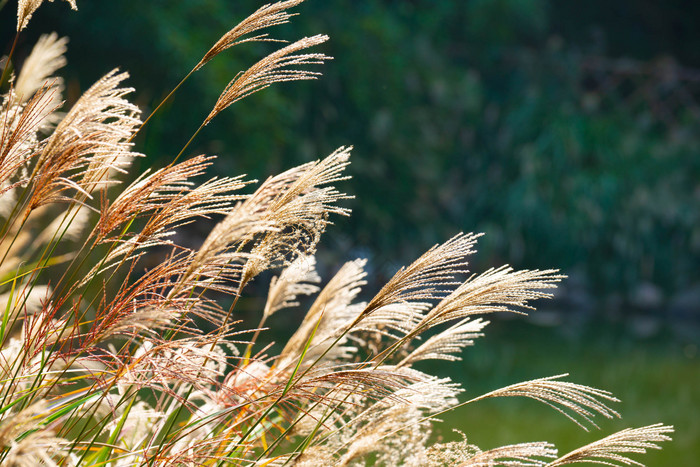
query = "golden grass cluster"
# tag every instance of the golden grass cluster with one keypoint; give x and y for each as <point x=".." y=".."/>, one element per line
<point x="106" y="362"/>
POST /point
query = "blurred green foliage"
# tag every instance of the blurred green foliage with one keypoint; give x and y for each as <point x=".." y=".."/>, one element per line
<point x="654" y="381"/>
<point x="481" y="115"/>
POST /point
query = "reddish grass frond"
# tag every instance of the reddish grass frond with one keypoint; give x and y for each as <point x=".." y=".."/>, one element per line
<point x="132" y="314"/>
<point x="42" y="329"/>
<point x="213" y="197"/>
<point x="277" y="67"/>
<point x="577" y="402"/>
<point x="142" y="320"/>
<point x="149" y="193"/>
<point x="168" y="200"/>
<point x="613" y="449"/>
<point x="92" y="139"/>
<point x="124" y="251"/>
<point x="222" y="274"/>
<point x="149" y="304"/>
<point x="19" y="124"/>
<point x="513" y="455"/>
<point x="25" y="9"/>
<point x="246" y="381"/>
<point x="264" y="17"/>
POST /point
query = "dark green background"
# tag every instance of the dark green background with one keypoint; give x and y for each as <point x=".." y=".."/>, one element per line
<point x="471" y="115"/>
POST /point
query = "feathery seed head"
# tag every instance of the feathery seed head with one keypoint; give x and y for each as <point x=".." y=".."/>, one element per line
<point x="277" y="67"/>
<point x="570" y="399"/>
<point x="25" y="9"/>
<point x="264" y="17"/>
<point x="46" y="57"/>
<point x="428" y="277"/>
<point x="613" y="449"/>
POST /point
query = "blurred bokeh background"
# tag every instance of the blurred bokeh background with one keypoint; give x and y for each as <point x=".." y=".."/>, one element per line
<point x="567" y="132"/>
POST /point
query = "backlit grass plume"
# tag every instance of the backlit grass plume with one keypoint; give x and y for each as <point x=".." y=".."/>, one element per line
<point x="106" y="359"/>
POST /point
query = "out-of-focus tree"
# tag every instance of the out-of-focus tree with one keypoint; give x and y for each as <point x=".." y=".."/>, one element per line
<point x="509" y="117"/>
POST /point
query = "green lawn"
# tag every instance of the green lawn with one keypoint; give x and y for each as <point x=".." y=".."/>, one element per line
<point x="657" y="380"/>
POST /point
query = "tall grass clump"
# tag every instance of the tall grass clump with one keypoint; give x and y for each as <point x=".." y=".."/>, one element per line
<point x="104" y="361"/>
